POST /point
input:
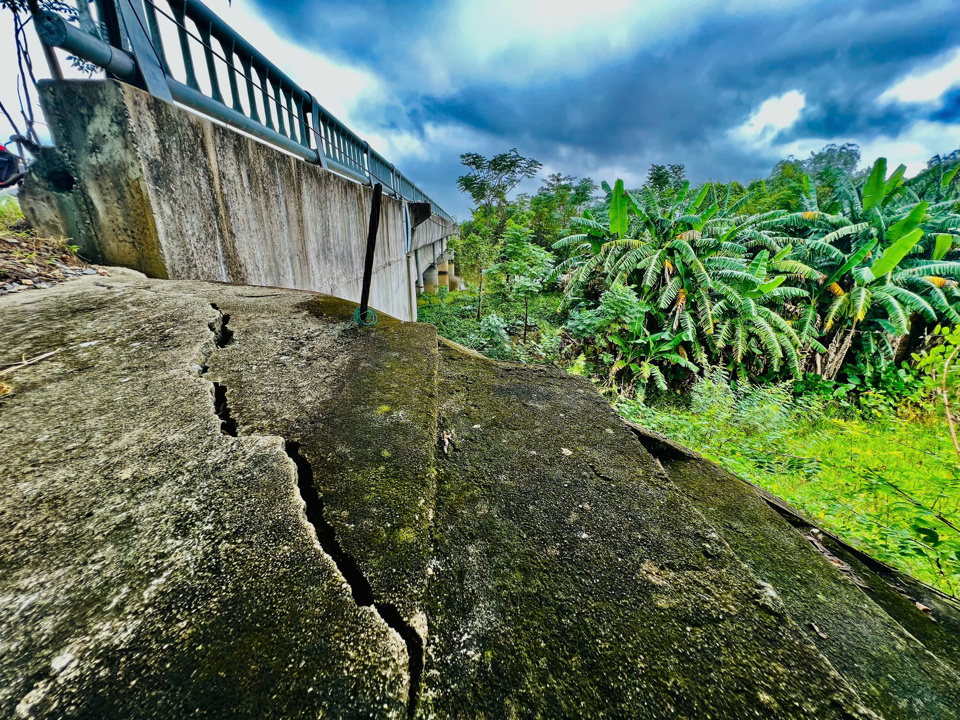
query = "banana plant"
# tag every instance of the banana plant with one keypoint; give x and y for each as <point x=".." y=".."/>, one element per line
<point x="641" y="353"/>
<point x="585" y="247"/>
<point x="857" y="287"/>
<point x="751" y="313"/>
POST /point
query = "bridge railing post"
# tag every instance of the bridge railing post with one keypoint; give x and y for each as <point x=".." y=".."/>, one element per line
<point x="148" y="59"/>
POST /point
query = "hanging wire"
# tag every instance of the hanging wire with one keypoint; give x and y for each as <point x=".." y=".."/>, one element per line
<point x="145" y="33"/>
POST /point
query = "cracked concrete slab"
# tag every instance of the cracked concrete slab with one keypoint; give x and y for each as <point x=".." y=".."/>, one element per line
<point x="571" y="579"/>
<point x="153" y="566"/>
<point x="225" y="501"/>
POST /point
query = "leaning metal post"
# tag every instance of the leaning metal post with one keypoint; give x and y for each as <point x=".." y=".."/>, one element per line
<point x="364" y="315"/>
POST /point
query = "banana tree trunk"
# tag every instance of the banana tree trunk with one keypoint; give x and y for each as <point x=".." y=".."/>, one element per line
<point x="836" y="355"/>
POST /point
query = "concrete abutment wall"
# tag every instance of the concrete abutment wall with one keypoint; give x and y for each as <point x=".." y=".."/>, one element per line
<point x="138" y="182"/>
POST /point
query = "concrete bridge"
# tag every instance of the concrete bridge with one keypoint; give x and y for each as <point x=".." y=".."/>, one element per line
<point x="158" y="169"/>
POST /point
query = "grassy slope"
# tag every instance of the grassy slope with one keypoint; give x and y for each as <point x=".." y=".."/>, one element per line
<point x="881" y="484"/>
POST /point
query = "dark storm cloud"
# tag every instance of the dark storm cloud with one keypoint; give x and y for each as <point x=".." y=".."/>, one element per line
<point x="376" y="33"/>
<point x="672" y="102"/>
<point x="949" y="110"/>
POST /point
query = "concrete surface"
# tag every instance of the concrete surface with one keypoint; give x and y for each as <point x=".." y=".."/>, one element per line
<point x="229" y="502"/>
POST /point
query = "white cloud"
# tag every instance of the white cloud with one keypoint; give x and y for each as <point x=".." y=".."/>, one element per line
<point x="929" y="84"/>
<point x="774" y="114"/>
<point x="337" y="86"/>
<point x="913" y="147"/>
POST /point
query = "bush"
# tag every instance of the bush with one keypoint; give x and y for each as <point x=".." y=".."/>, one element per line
<point x="494" y="340"/>
<point x="455" y="317"/>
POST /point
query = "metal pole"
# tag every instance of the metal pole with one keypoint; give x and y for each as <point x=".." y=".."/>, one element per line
<point x="54" y="31"/>
<point x="364" y="314"/>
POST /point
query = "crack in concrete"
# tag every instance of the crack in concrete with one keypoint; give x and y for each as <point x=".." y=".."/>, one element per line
<point x="360" y="587"/>
<point x="222" y="335"/>
<point x="359" y="584"/>
<point x="228" y="425"/>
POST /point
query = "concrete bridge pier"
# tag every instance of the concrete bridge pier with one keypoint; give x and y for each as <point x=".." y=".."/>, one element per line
<point x="430" y="279"/>
<point x="443" y="272"/>
<point x="424" y="257"/>
<point x="456" y="283"/>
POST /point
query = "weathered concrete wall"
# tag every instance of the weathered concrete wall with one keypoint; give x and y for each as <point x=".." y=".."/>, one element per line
<point x="430" y="231"/>
<point x="144" y="184"/>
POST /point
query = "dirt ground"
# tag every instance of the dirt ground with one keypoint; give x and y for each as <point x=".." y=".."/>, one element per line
<point x="28" y="262"/>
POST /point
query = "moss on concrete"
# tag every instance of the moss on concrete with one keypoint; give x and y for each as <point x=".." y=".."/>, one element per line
<point x="890" y="669"/>
<point x="571" y="579"/>
<point x="153" y="566"/>
<point x="362" y="404"/>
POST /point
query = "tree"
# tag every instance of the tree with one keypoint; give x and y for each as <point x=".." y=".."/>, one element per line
<point x="490" y="180"/>
<point x="522" y="269"/>
<point x="488" y="183"/>
<point x="845" y="158"/>
<point x="877" y="268"/>
<point x="678" y="176"/>
<point x="583" y="193"/>
<point x="550" y="210"/>
<point x="658" y="179"/>
<point x="555" y="181"/>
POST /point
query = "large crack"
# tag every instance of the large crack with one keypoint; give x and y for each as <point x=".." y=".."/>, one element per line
<point x="359" y="584"/>
<point x="360" y="587"/>
<point x="222" y="335"/>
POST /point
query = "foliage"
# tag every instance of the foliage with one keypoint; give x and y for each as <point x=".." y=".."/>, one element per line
<point x="781" y="293"/>
<point x="10" y="213"/>
<point x="890" y="486"/>
<point x="493" y="336"/>
<point x="521" y="263"/>
<point x="942" y="373"/>
<point x="455" y="319"/>
<point x="666" y="180"/>
<point x="490" y="180"/>
<point x="795" y="324"/>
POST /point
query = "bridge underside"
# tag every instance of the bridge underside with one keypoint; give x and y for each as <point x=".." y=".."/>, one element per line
<point x="139" y="182"/>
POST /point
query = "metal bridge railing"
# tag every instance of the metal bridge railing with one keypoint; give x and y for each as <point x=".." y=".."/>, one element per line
<point x="180" y="50"/>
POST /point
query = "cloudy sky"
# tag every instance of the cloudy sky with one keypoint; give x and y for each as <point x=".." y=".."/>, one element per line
<point x="605" y="88"/>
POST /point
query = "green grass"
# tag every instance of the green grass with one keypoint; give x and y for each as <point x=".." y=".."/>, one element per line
<point x="10" y="212"/>
<point x="888" y="486"/>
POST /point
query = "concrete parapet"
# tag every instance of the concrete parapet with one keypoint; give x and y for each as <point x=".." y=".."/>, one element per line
<point x="138" y="182"/>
